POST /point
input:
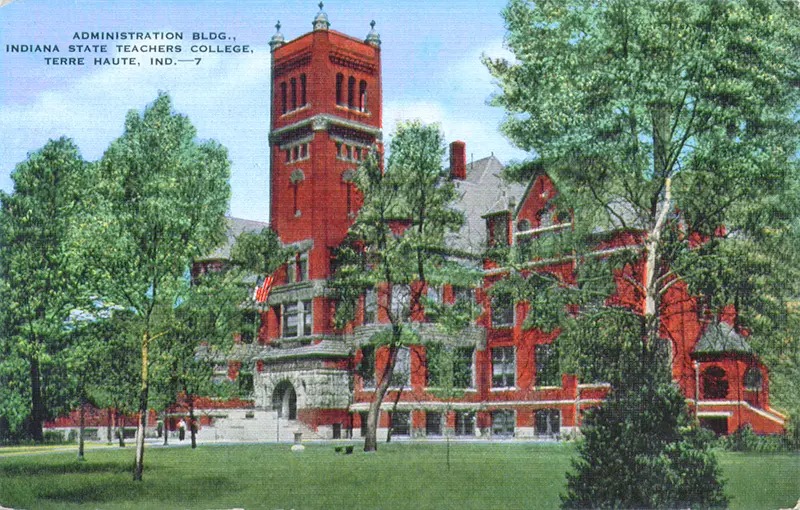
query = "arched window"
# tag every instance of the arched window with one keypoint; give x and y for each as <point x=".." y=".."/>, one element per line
<point x="294" y="94"/>
<point x="362" y="96"/>
<point x="302" y="90"/>
<point x="753" y="379"/>
<point x="715" y="383"/>
<point x="339" y="83"/>
<point x="351" y="86"/>
<point x="283" y="97"/>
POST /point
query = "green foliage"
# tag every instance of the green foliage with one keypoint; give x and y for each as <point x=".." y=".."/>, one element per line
<point x="745" y="440"/>
<point x="639" y="452"/>
<point x="41" y="279"/>
<point x="260" y="253"/>
<point x="399" y="234"/>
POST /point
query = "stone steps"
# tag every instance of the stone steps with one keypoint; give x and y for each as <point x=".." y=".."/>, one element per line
<point x="248" y="425"/>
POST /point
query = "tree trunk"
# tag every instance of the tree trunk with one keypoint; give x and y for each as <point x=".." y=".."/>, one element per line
<point x="82" y="428"/>
<point x="166" y="427"/>
<point x="142" y="422"/>
<point x="371" y="439"/>
<point x="394" y="408"/>
<point x="109" y="425"/>
<point x="192" y="425"/>
<point x="120" y="429"/>
<point x="652" y="296"/>
<point x="37" y="404"/>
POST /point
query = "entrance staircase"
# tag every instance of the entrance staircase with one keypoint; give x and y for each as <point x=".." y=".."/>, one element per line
<point x="252" y="425"/>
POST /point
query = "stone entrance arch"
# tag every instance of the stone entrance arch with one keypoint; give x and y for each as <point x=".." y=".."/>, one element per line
<point x="284" y="400"/>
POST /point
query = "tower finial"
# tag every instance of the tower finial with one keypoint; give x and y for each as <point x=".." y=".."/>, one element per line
<point x="277" y="39"/>
<point x="373" y="37"/>
<point x="321" y="20"/>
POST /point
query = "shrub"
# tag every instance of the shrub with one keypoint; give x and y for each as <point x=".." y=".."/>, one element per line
<point x="638" y="451"/>
<point x="745" y="440"/>
<point x="53" y="437"/>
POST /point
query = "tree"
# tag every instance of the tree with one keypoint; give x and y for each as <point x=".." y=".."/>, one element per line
<point x="397" y="244"/>
<point x="40" y="273"/>
<point x="674" y="120"/>
<point x="161" y="199"/>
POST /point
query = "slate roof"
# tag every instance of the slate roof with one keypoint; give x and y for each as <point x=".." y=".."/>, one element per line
<point x="483" y="192"/>
<point x="720" y="337"/>
<point x="235" y="227"/>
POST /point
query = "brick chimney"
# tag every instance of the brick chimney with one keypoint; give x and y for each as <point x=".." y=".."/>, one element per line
<point x="458" y="160"/>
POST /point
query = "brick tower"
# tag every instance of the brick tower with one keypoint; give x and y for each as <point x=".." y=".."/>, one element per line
<point x="326" y="115"/>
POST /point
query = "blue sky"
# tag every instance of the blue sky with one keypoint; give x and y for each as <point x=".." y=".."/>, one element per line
<point x="430" y="55"/>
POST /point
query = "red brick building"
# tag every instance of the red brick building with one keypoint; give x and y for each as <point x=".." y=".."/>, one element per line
<point x="326" y="114"/>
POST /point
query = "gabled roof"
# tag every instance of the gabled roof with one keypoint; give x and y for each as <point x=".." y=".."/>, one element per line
<point x="482" y="193"/>
<point x="720" y="337"/>
<point x="235" y="227"/>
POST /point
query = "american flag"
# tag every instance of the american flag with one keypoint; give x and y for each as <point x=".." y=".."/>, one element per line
<point x="262" y="289"/>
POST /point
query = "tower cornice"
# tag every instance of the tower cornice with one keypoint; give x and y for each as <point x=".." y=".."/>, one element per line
<point x="322" y="122"/>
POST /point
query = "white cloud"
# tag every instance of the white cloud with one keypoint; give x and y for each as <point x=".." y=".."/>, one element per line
<point x="225" y="97"/>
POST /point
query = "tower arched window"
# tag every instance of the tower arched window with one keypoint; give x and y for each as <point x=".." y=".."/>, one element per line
<point x="339" y="84"/>
<point x="362" y="96"/>
<point x="294" y="93"/>
<point x="302" y="89"/>
<point x="351" y="86"/>
<point x="283" y="97"/>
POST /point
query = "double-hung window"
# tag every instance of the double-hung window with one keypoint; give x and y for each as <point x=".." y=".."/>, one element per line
<point x="504" y="367"/>
<point x="298" y="319"/>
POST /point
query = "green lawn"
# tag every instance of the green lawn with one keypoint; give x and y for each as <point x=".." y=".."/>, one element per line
<point x="485" y="476"/>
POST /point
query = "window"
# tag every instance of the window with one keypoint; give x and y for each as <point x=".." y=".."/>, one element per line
<point x="308" y="317"/>
<point x="302" y="268"/>
<point x="298" y="319"/>
<point x="400" y="302"/>
<point x="302" y="90"/>
<point x="715" y="385"/>
<point x="465" y="423"/>
<point x="503" y="422"/>
<point x="351" y="85"/>
<point x="366" y="369"/>
<point x="370" y="306"/>
<point x="362" y="96"/>
<point x="438" y="357"/>
<point x="339" y="82"/>
<point x="503" y="367"/>
<point x="283" y="97"/>
<point x="462" y="367"/>
<point x="464" y="295"/>
<point x="548" y="422"/>
<point x="401" y="376"/>
<point x="502" y="311"/>
<point x="753" y="379"/>
<point x="433" y="424"/>
<point x="293" y="82"/>
<point x="290" y="317"/>
<point x="499" y="232"/>
<point x="523" y="225"/>
<point x="547" y="370"/>
<point x="400" y="421"/>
